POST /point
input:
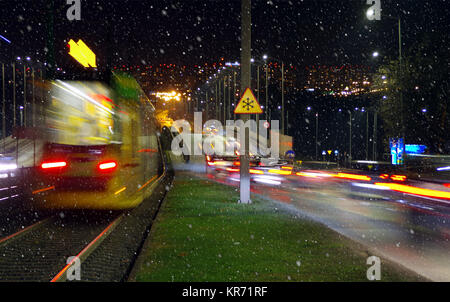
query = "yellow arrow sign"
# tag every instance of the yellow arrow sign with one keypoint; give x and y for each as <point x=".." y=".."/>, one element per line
<point x="248" y="104"/>
<point x="80" y="52"/>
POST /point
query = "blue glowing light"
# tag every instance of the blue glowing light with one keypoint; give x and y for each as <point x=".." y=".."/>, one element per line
<point x="3" y="38"/>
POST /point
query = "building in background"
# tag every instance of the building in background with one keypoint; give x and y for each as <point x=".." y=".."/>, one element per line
<point x="341" y="80"/>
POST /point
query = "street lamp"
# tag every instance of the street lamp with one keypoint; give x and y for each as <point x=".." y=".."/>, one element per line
<point x="372" y="15"/>
<point x="21" y="115"/>
<point x="267" y="87"/>
<point x="282" y="90"/>
<point x="317" y="131"/>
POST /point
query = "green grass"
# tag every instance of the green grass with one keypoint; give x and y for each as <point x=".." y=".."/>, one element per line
<point x="202" y="234"/>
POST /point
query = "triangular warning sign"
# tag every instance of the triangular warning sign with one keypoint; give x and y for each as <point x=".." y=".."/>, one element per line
<point x="248" y="104"/>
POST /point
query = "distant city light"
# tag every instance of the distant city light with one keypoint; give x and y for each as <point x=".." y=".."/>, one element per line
<point x="424" y="110"/>
<point x="232" y="64"/>
<point x="264" y="57"/>
<point x="308" y="108"/>
<point x="168" y="96"/>
<point x="375" y="54"/>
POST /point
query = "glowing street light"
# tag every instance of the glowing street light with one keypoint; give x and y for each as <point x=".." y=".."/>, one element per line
<point x="370" y="13"/>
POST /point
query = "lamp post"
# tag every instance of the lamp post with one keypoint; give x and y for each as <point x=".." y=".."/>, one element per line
<point x="224" y="104"/>
<point x="374" y="151"/>
<point x="350" y="139"/>
<point x="282" y="91"/>
<point x="370" y="14"/>
<point x="207" y="107"/>
<point x="21" y="115"/>
<point x="317" y="132"/>
<point x="367" y="133"/>
<point x="234" y="94"/>
<point x="267" y="88"/>
<point x="216" y="102"/>
<point x="14" y="93"/>
<point x="257" y="97"/>
<point x="24" y="95"/>
<point x="282" y="98"/>
<point x="3" y="103"/>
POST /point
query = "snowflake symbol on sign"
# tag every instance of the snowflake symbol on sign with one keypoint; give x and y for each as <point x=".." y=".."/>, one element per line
<point x="247" y="104"/>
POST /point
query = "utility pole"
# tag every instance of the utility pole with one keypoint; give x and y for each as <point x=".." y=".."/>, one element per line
<point x="207" y="101"/>
<point x="257" y="93"/>
<point x="217" y="105"/>
<point x="220" y="101"/>
<point x="229" y="97"/>
<point x="33" y="101"/>
<point x="350" y="147"/>
<point x="375" y="136"/>
<point x="401" y="74"/>
<point x="367" y="135"/>
<point x="3" y="104"/>
<point x="246" y="32"/>
<point x="234" y="94"/>
<point x="267" y="93"/>
<point x="317" y="135"/>
<point x="24" y="95"/>
<point x="282" y="98"/>
<point x="198" y="103"/>
<point x="14" y="94"/>
<point x="224" y="100"/>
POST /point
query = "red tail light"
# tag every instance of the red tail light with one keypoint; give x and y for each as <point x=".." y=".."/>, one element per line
<point x="53" y="165"/>
<point x="354" y="176"/>
<point x="107" y="166"/>
<point x="398" y="177"/>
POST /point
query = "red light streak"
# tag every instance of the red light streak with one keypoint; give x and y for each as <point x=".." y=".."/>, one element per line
<point x="415" y="190"/>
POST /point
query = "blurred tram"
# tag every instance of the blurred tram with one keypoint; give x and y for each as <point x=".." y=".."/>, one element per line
<point x="101" y="145"/>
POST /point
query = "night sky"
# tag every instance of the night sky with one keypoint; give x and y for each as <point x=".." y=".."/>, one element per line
<point x="192" y="32"/>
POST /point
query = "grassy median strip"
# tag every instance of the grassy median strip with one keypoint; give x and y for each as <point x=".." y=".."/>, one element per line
<point x="202" y="234"/>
